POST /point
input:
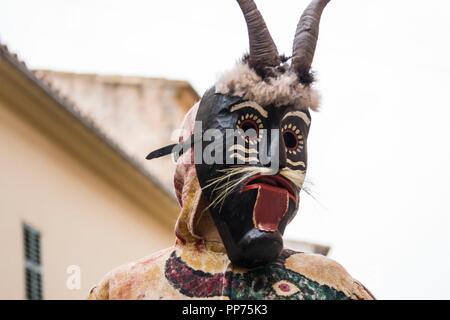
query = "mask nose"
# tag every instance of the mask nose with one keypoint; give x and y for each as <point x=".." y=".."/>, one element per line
<point x="281" y="150"/>
<point x="277" y="150"/>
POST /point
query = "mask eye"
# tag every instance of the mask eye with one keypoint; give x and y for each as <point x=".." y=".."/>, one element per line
<point x="293" y="139"/>
<point x="250" y="124"/>
<point x="290" y="139"/>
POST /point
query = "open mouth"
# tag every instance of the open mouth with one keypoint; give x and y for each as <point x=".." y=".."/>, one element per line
<point x="272" y="200"/>
<point x="270" y="182"/>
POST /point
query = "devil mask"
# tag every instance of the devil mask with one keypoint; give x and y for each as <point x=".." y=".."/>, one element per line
<point x="250" y="140"/>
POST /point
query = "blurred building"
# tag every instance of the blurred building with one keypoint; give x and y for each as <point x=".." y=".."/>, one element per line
<point x="74" y="203"/>
<point x="140" y="114"/>
<point x="77" y="197"/>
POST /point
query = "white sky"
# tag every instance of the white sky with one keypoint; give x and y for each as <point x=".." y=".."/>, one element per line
<point x="379" y="149"/>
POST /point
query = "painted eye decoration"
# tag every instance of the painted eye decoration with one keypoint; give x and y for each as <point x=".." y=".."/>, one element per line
<point x="250" y="125"/>
<point x="285" y="288"/>
<point x="293" y="139"/>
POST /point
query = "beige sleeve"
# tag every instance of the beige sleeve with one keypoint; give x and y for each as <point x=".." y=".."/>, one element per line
<point x="99" y="292"/>
<point x="360" y="292"/>
<point x="326" y="271"/>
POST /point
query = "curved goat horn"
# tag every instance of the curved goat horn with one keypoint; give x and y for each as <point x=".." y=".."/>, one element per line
<point x="263" y="51"/>
<point x="306" y="39"/>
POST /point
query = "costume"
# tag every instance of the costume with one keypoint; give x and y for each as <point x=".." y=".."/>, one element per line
<point x="237" y="194"/>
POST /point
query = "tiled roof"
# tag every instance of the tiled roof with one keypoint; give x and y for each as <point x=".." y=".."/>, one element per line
<point x="66" y="104"/>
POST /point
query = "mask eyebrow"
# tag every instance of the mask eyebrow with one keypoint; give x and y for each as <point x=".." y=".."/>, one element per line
<point x="299" y="114"/>
<point x="250" y="104"/>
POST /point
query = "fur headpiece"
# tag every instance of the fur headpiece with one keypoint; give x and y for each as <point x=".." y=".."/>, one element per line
<point x="280" y="89"/>
<point x="264" y="76"/>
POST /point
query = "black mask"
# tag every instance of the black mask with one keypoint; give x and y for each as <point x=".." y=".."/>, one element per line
<point x="252" y="202"/>
<point x="252" y="215"/>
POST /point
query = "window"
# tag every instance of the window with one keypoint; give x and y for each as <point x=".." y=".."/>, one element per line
<point x="33" y="270"/>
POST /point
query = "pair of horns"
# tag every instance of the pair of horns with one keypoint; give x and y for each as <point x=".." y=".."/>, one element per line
<point x="263" y="51"/>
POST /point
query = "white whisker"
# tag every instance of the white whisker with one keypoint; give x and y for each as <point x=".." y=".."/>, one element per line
<point x="224" y="185"/>
<point x="296" y="176"/>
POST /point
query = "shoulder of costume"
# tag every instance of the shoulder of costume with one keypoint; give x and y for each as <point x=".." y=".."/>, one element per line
<point x="126" y="273"/>
<point x="326" y="271"/>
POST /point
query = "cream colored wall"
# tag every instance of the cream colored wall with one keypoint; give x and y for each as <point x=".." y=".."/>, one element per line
<point x="83" y="220"/>
<point x="140" y="114"/>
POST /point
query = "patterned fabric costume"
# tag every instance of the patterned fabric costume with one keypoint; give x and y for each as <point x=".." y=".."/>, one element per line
<point x="229" y="236"/>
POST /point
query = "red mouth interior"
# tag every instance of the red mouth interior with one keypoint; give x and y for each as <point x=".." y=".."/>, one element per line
<point x="272" y="200"/>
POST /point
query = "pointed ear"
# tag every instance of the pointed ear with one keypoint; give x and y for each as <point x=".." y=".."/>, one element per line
<point x="161" y="152"/>
<point x="176" y="148"/>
